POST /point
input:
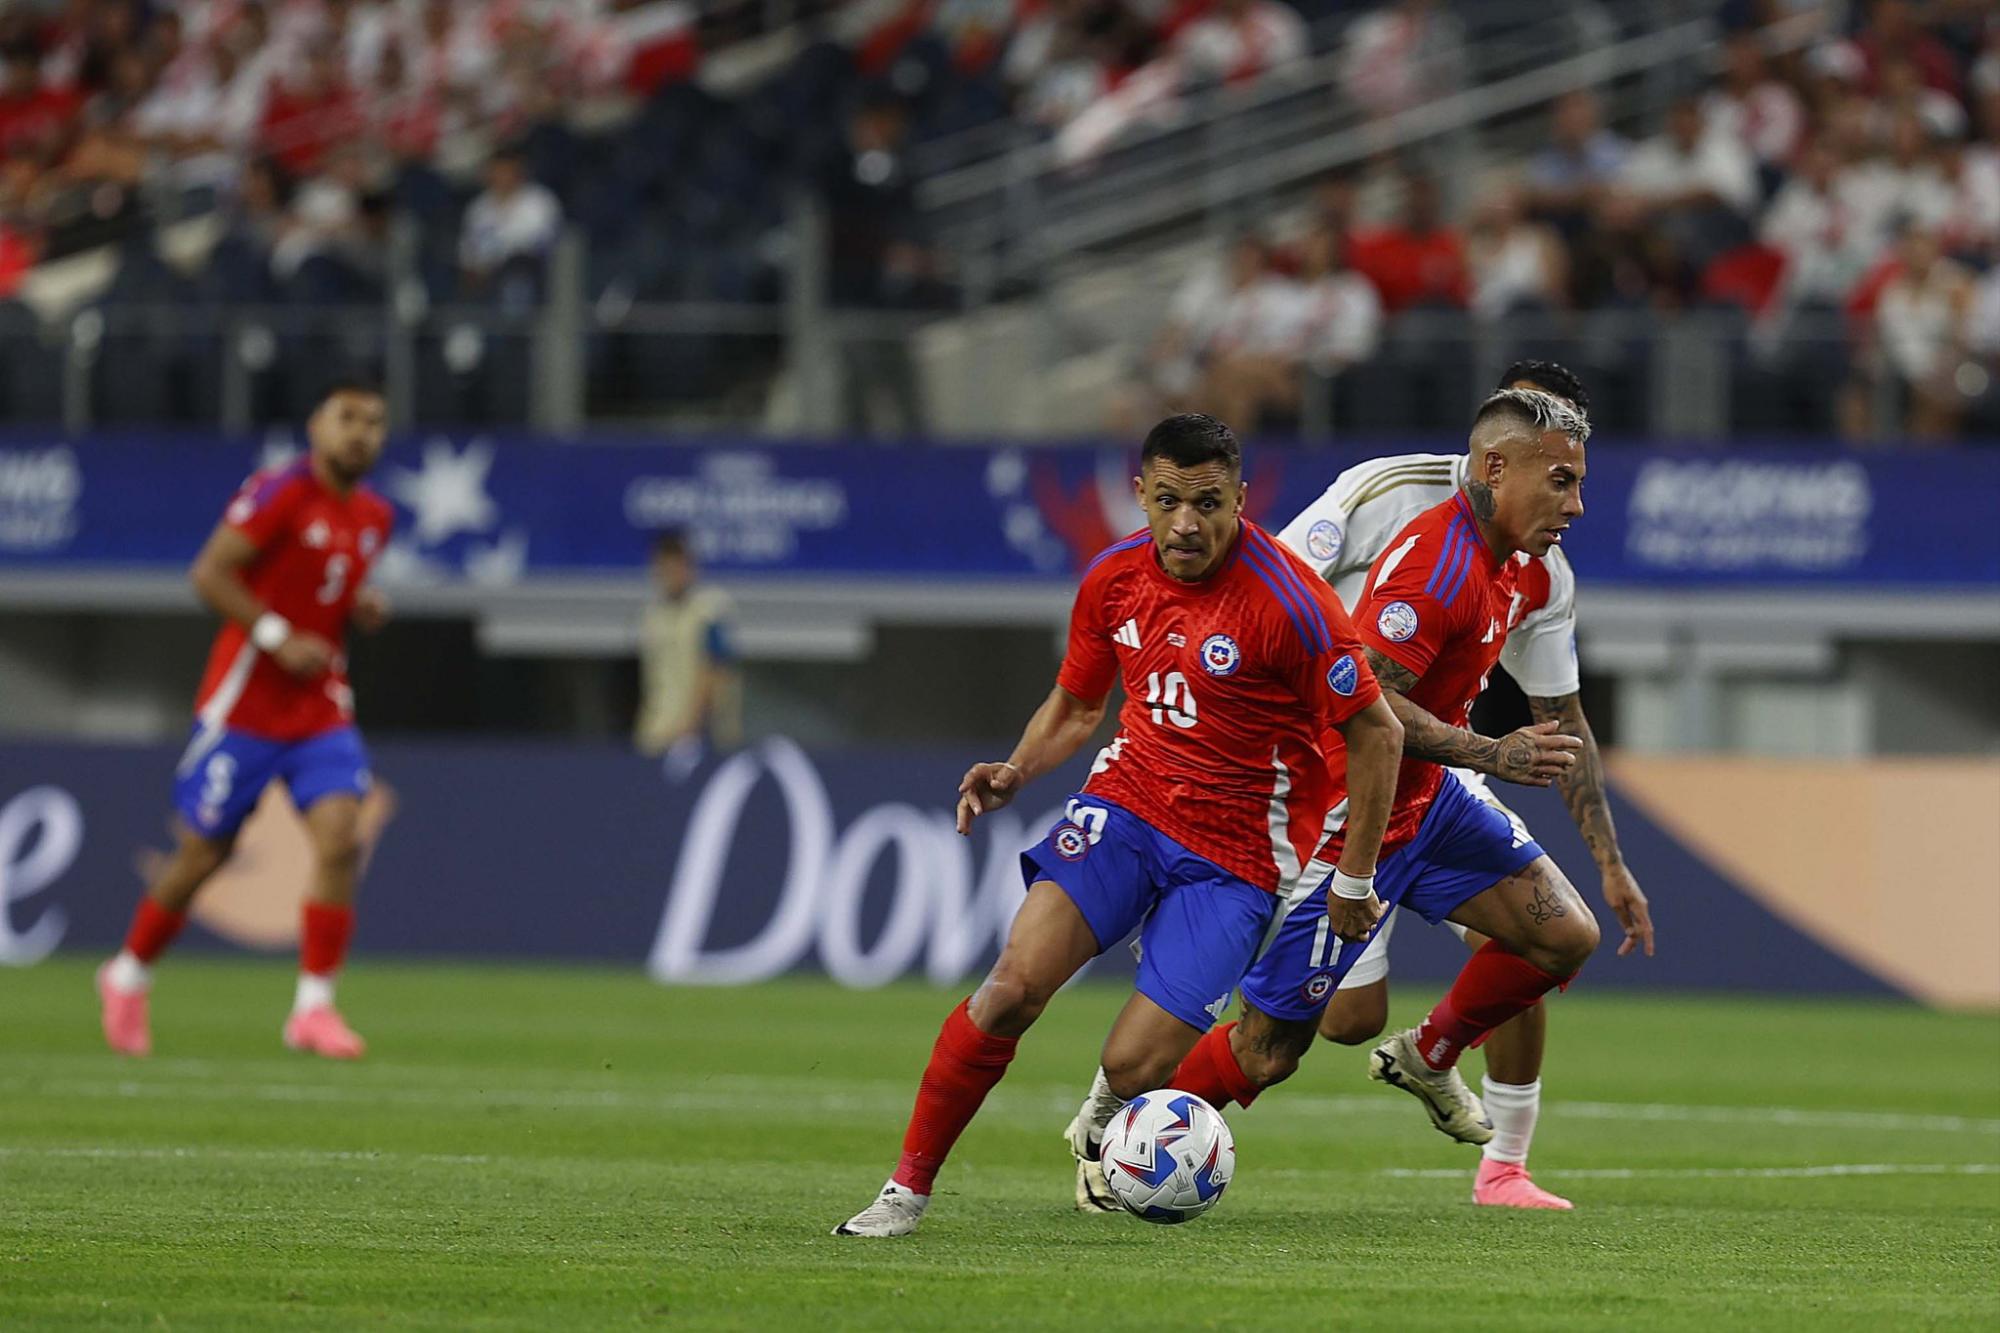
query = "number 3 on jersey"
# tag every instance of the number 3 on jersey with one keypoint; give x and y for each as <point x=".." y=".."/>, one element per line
<point x="337" y="567"/>
<point x="1171" y="699"/>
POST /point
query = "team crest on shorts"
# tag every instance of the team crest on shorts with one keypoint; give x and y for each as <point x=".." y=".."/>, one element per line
<point x="1070" y="842"/>
<point x="1323" y="540"/>
<point x="1397" y="622"/>
<point x="1220" y="656"/>
<point x="1318" y="986"/>
<point x="1343" y="676"/>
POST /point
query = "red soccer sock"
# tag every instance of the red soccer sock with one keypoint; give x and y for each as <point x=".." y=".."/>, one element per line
<point x="965" y="1064"/>
<point x="1493" y="986"/>
<point x="323" y="938"/>
<point x="1211" y="1072"/>
<point x="153" y="929"/>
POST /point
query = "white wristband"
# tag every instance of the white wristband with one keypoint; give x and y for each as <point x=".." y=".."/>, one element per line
<point x="1357" y="887"/>
<point x="270" y="632"/>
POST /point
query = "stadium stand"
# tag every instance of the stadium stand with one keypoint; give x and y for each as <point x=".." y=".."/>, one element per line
<point x="1793" y="232"/>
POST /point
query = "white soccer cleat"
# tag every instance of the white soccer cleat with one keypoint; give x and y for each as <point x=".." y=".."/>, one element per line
<point x="1093" y="1191"/>
<point x="1453" y="1108"/>
<point x="895" y="1212"/>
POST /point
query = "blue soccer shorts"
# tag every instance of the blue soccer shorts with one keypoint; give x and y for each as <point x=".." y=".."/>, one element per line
<point x="223" y="773"/>
<point x="1463" y="848"/>
<point x="1201" y="924"/>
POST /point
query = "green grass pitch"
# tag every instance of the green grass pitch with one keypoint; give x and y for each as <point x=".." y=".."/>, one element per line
<point x="558" y="1149"/>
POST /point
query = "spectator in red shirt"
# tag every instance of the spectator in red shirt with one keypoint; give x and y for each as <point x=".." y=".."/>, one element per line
<point x="311" y="112"/>
<point x="34" y="119"/>
<point x="1416" y="261"/>
<point x="1892" y="34"/>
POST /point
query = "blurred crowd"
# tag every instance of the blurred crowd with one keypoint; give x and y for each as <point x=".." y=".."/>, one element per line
<point x="300" y="114"/>
<point x="1837" y="201"/>
<point x="1834" y="200"/>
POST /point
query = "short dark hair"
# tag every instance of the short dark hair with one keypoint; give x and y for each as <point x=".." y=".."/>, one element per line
<point x="670" y="542"/>
<point x="347" y="384"/>
<point x="1190" y="439"/>
<point x="1550" y="377"/>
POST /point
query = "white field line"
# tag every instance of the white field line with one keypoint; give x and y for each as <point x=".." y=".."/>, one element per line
<point x="753" y="1096"/>
<point x="332" y="1157"/>
<point x="201" y="1154"/>
<point x="1732" y="1172"/>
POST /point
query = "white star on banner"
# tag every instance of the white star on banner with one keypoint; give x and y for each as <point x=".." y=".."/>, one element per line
<point x="448" y="494"/>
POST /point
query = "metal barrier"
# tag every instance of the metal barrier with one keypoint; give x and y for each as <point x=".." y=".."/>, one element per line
<point x="804" y="369"/>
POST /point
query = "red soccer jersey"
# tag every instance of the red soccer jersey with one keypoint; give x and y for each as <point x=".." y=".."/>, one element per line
<point x="1439" y="603"/>
<point x="1230" y="684"/>
<point x="314" y="548"/>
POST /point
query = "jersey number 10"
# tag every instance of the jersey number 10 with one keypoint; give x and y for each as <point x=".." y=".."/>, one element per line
<point x="1171" y="699"/>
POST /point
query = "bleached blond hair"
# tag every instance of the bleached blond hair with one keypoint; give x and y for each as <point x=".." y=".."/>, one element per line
<point x="1544" y="410"/>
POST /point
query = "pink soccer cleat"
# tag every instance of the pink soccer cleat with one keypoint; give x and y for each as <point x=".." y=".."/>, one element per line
<point x="321" y="1031"/>
<point x="1507" y="1185"/>
<point x="127" y="1030"/>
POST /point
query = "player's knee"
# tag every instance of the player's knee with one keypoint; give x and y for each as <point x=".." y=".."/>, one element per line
<point x="1010" y="1002"/>
<point x="202" y="857"/>
<point x="1267" y="1050"/>
<point x="1567" y="947"/>
<point x="339" y="851"/>
<point x="1265" y="1064"/>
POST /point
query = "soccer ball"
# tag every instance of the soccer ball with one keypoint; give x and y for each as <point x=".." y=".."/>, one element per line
<point x="1168" y="1156"/>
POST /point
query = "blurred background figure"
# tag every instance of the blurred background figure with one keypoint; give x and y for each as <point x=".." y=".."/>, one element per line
<point x="1921" y="326"/>
<point x="878" y="265"/>
<point x="690" y="700"/>
<point x="510" y="229"/>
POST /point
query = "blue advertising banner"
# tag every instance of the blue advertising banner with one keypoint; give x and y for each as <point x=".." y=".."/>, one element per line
<point x="498" y="510"/>
<point x="764" y="862"/>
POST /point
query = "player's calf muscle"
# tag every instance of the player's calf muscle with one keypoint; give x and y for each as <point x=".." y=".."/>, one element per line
<point x="1131" y="1072"/>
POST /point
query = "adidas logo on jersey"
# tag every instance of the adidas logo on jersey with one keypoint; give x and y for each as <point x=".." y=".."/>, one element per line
<point x="1128" y="634"/>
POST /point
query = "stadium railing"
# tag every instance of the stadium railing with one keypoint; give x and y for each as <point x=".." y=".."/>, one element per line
<point x="1026" y="204"/>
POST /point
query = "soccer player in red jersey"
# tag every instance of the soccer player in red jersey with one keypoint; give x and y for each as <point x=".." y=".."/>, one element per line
<point x="1433" y="618"/>
<point x="1203" y="815"/>
<point x="285" y="570"/>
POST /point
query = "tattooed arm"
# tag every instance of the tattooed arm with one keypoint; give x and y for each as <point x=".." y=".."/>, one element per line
<point x="1533" y="756"/>
<point x="1582" y="789"/>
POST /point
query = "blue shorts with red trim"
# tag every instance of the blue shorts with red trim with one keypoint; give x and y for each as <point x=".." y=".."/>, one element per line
<point x="1463" y="848"/>
<point x="224" y="771"/>
<point x="1199" y="925"/>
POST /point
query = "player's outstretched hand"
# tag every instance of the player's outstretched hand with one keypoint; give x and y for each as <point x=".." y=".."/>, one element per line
<point x="1535" y="756"/>
<point x="1353" y="918"/>
<point x="305" y="655"/>
<point x="371" y="609"/>
<point x="1627" y="902"/>
<point x="986" y="788"/>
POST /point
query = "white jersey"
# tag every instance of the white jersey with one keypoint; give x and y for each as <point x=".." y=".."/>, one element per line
<point x="1341" y="533"/>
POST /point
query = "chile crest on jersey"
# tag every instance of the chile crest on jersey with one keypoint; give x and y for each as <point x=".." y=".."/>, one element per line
<point x="1220" y="656"/>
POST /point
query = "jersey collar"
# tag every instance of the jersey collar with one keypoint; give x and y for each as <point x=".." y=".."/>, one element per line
<point x="1463" y="507"/>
